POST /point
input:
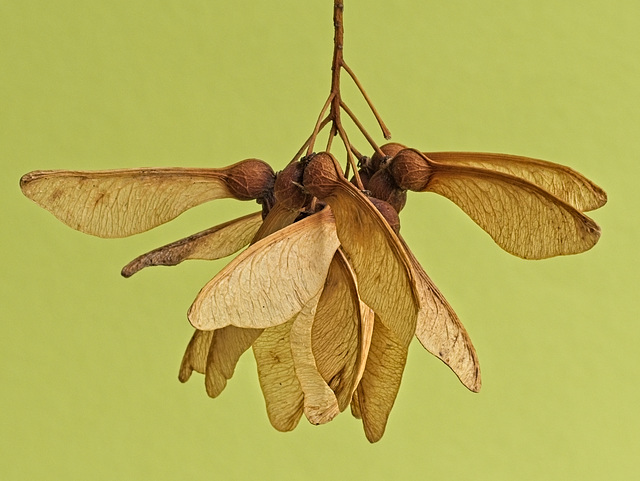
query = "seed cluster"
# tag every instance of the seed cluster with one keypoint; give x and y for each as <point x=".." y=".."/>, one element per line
<point x="328" y="295"/>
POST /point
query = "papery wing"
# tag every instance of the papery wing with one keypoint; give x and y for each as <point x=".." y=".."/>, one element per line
<point x="214" y="243"/>
<point x="521" y="218"/>
<point x="560" y="181"/>
<point x="320" y="403"/>
<point x="195" y="356"/>
<point x="355" y="406"/>
<point x="278" y="218"/>
<point x="278" y="381"/>
<point x="228" y="344"/>
<point x="379" y="260"/>
<point x="272" y="280"/>
<point x="337" y="340"/>
<point x="380" y="382"/>
<point x="119" y="203"/>
<point x="441" y="333"/>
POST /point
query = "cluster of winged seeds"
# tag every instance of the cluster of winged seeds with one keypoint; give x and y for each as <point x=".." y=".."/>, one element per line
<point x="328" y="294"/>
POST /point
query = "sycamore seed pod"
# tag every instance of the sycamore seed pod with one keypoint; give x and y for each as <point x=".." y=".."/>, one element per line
<point x="410" y="170"/>
<point x="250" y="179"/>
<point x="365" y="176"/>
<point x="382" y="186"/>
<point x="288" y="187"/>
<point x="321" y="174"/>
<point x="389" y="150"/>
<point x="389" y="213"/>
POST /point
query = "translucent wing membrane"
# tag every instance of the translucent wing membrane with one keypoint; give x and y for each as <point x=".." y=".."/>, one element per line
<point x="119" y="203"/>
<point x="227" y="345"/>
<point x="195" y="356"/>
<point x="562" y="182"/>
<point x="214" y="243"/>
<point x="380" y="382"/>
<point x="278" y="380"/>
<point x="522" y="218"/>
<point x="268" y="283"/>
<point x="340" y="331"/>
<point x="383" y="270"/>
<point x="441" y="333"/>
<point x="320" y="403"/>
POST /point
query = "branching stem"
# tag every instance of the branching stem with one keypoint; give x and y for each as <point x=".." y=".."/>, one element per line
<point x="385" y="131"/>
<point x="335" y="105"/>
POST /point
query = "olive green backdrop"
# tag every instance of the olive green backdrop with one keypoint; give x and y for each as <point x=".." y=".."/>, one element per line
<point x="90" y="360"/>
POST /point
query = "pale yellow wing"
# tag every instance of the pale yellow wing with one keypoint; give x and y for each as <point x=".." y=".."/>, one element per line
<point x="214" y="243"/>
<point x="228" y="344"/>
<point x="522" y="218"/>
<point x="335" y="336"/>
<point x="380" y="262"/>
<point x="335" y="331"/>
<point x="441" y="333"/>
<point x="380" y="382"/>
<point x="560" y="181"/>
<point x="119" y="203"/>
<point x="320" y="403"/>
<point x="272" y="280"/>
<point x="280" y="386"/>
<point x="195" y="356"/>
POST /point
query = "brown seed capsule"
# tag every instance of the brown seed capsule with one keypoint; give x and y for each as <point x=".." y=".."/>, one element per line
<point x="250" y="179"/>
<point x="364" y="178"/>
<point x="411" y="170"/>
<point x="388" y="212"/>
<point x="321" y="174"/>
<point x="389" y="150"/>
<point x="288" y="187"/>
<point x="382" y="186"/>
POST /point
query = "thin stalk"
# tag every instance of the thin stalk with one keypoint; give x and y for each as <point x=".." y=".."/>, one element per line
<point x="326" y="120"/>
<point x="361" y="128"/>
<point x="319" y="125"/>
<point x="385" y="131"/>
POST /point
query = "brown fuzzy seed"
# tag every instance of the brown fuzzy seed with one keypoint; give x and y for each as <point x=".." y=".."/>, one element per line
<point x="411" y="170"/>
<point x="389" y="150"/>
<point x="288" y="187"/>
<point x="250" y="179"/>
<point x="388" y="212"/>
<point x="321" y="174"/>
<point x="382" y="186"/>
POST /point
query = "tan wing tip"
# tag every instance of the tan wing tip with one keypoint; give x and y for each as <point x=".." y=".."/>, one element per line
<point x="36" y="175"/>
<point x="26" y="179"/>
<point x="285" y="425"/>
<point x="322" y="416"/>
<point x="474" y="382"/>
<point x="214" y="389"/>
<point x="601" y="196"/>
<point x="374" y="435"/>
<point x="194" y="316"/>
<point x="184" y="373"/>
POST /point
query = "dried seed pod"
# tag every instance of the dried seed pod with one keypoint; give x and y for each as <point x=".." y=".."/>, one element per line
<point x="388" y="212"/>
<point x="321" y="174"/>
<point x="389" y="150"/>
<point x="288" y="187"/>
<point x="250" y="179"/>
<point x="383" y="186"/>
<point x="411" y="170"/>
<point x="365" y="176"/>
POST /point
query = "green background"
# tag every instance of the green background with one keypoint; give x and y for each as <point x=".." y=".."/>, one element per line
<point x="90" y="360"/>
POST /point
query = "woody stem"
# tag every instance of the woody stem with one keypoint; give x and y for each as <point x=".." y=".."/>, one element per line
<point x="336" y="68"/>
